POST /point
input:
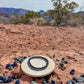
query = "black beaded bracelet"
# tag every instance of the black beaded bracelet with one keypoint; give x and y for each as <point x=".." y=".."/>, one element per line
<point x="36" y="68"/>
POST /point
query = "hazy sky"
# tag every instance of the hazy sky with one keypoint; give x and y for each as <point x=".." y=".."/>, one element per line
<point x="35" y="5"/>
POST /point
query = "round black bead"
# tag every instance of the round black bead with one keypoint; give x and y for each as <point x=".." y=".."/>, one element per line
<point x="17" y="82"/>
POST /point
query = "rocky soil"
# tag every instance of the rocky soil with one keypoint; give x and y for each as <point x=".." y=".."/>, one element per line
<point x="27" y="40"/>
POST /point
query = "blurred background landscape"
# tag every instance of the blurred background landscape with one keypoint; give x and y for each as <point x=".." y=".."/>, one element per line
<point x="63" y="13"/>
<point x="15" y="16"/>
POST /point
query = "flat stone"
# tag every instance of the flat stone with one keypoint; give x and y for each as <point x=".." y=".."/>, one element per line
<point x="33" y="82"/>
<point x="57" y="60"/>
<point x="81" y="78"/>
<point x="38" y="63"/>
<point x="75" y="78"/>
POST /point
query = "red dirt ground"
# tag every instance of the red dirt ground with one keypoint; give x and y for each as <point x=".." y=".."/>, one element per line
<point x="25" y="40"/>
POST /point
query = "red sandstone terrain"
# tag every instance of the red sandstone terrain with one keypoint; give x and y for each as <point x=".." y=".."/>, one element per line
<point x="25" y="40"/>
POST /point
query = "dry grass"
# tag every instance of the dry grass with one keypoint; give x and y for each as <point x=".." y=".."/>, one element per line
<point x="75" y="22"/>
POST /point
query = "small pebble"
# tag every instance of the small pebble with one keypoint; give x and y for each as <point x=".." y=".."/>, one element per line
<point x="50" y="57"/>
<point x="75" y="78"/>
<point x="72" y="71"/>
<point x="82" y="76"/>
<point x="17" y="82"/>
<point x="52" y="82"/>
<point x="15" y="58"/>
<point x="25" y="57"/>
<point x="44" y="82"/>
<point x="9" y="80"/>
<point x="13" y="65"/>
<point x="14" y="77"/>
<point x="1" y="78"/>
<point x="80" y="81"/>
<point x="47" y="81"/>
<point x="16" y="61"/>
<point x="1" y="81"/>
<point x="53" y="56"/>
<point x="65" y="62"/>
<point x="62" y="59"/>
<point x="60" y="66"/>
<point x="73" y="81"/>
<point x="8" y="65"/>
<point x="4" y="79"/>
<point x="68" y="82"/>
<point x="33" y="82"/>
<point x="57" y="60"/>
<point x="56" y="83"/>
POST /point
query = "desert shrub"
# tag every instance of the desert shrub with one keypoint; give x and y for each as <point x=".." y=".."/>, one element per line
<point x="33" y="20"/>
<point x="21" y="19"/>
<point x="74" y="21"/>
<point x="52" y="22"/>
<point x="4" y="20"/>
<point x="41" y="21"/>
<point x="62" y="10"/>
<point x="82" y="17"/>
<point x="28" y="18"/>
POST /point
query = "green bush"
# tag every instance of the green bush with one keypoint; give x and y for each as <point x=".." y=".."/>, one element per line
<point x="27" y="18"/>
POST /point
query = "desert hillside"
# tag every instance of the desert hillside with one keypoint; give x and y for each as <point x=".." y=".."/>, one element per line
<point x="26" y="40"/>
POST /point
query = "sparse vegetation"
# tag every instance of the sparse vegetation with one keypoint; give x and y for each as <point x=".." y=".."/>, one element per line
<point x="28" y="18"/>
<point x="63" y="10"/>
<point x="62" y="15"/>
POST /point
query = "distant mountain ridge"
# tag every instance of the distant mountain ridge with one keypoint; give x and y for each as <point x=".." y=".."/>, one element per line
<point x="18" y="11"/>
<point x="13" y="10"/>
<point x="81" y="13"/>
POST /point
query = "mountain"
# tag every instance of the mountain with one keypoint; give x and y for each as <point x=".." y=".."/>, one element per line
<point x="18" y="11"/>
<point x="13" y="10"/>
<point x="81" y="13"/>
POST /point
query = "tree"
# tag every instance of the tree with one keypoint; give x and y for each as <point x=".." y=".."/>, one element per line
<point x="50" y="12"/>
<point x="63" y="10"/>
<point x="32" y="14"/>
<point x="25" y="19"/>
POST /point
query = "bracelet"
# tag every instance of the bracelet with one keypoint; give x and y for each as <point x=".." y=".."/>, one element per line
<point x="36" y="68"/>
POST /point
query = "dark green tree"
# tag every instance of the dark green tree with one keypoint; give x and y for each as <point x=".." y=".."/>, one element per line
<point x="32" y="14"/>
<point x="63" y="9"/>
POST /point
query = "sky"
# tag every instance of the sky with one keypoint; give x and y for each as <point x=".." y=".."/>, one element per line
<point x="35" y="5"/>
